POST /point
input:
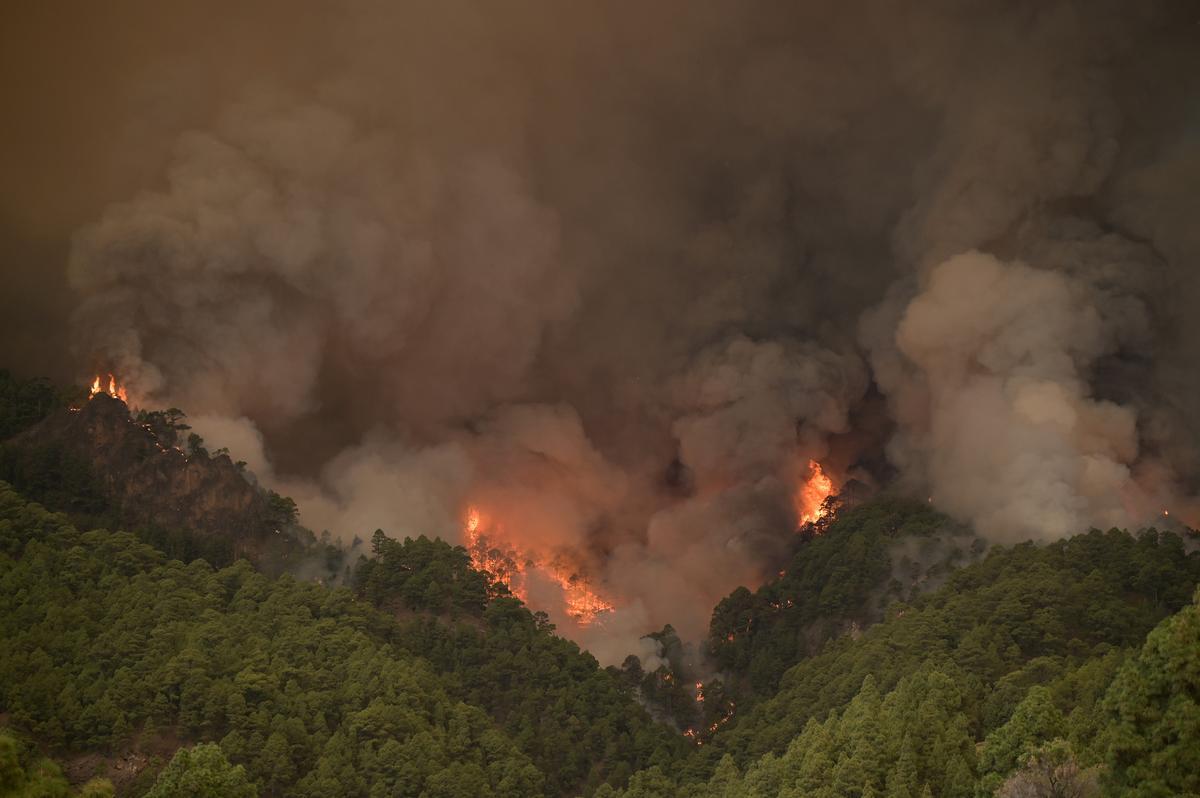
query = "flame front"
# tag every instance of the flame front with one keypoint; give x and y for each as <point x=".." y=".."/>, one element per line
<point x="113" y="389"/>
<point x="510" y="567"/>
<point x="583" y="603"/>
<point x="504" y="566"/>
<point x="811" y="495"/>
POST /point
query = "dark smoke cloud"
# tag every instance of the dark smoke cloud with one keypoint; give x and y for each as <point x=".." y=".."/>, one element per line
<point x="288" y="236"/>
<point x="419" y="256"/>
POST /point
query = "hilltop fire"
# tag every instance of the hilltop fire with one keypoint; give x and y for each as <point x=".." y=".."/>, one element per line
<point x="811" y="495"/>
<point x="113" y="389"/>
<point x="511" y="568"/>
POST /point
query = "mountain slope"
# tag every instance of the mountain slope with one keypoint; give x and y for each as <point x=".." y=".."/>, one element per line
<point x="1019" y="615"/>
<point x="837" y="582"/>
<point x="105" y="467"/>
<point x="109" y="645"/>
<point x="1138" y="734"/>
<point x="999" y="677"/>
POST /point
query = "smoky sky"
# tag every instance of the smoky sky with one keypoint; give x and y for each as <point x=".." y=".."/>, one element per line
<point x="618" y="271"/>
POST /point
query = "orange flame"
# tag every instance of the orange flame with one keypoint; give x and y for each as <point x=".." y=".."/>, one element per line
<point x="502" y="565"/>
<point x="811" y="495"/>
<point x="583" y="603"/>
<point x="509" y="567"/>
<point x="114" y="388"/>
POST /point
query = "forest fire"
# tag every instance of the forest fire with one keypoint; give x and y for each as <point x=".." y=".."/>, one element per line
<point x="811" y="495"/>
<point x="113" y="389"/>
<point x="502" y="565"/>
<point x="511" y="567"/>
<point x="582" y="603"/>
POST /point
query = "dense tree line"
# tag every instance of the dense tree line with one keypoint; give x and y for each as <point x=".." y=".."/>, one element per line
<point x="56" y="472"/>
<point x="891" y="657"/>
<point x="1135" y="731"/>
<point x="866" y="557"/>
<point x="1021" y="616"/>
<point x="1020" y="676"/>
<point x="314" y="693"/>
<point x="576" y="721"/>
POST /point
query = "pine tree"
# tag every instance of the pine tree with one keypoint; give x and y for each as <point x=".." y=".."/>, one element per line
<point x="902" y="778"/>
<point x="1154" y="746"/>
<point x="202" y="772"/>
<point x="1035" y="721"/>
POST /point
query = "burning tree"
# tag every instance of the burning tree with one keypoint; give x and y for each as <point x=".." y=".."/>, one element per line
<point x="811" y="495"/>
<point x="512" y="567"/>
<point x="110" y="387"/>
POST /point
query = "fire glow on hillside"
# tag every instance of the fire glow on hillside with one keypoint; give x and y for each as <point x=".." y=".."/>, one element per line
<point x="511" y="568"/>
<point x="810" y="496"/>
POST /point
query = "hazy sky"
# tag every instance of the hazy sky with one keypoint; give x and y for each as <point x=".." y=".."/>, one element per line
<point x="94" y="96"/>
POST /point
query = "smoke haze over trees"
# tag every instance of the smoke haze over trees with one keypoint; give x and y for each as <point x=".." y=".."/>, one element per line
<point x="616" y="272"/>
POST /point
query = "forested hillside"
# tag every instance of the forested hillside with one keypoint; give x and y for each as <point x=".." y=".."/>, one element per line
<point x="106" y="466"/>
<point x="1021" y="616"/>
<point x="841" y="579"/>
<point x="894" y="655"/>
<point x="435" y="682"/>
<point x="109" y="644"/>
<point x="1124" y="723"/>
<point x="1023" y="664"/>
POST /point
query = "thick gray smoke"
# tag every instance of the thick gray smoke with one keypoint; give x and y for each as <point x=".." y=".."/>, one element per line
<point x="995" y="412"/>
<point x="615" y="273"/>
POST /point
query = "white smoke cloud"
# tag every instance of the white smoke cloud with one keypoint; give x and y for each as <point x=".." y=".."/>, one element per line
<point x="996" y="413"/>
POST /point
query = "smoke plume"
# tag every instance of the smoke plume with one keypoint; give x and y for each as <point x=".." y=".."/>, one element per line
<point x="995" y="411"/>
<point x="614" y="273"/>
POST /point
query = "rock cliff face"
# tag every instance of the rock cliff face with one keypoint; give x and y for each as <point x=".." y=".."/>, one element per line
<point x="148" y="481"/>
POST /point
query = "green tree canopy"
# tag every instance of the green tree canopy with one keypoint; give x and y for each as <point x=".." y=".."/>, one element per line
<point x="1154" y="705"/>
<point x="202" y="772"/>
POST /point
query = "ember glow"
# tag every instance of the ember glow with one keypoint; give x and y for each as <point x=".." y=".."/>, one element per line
<point x="811" y="495"/>
<point x="582" y="603"/>
<point x="511" y="568"/>
<point x="113" y="388"/>
<point x="698" y="736"/>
